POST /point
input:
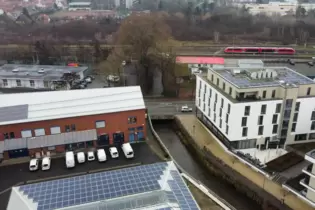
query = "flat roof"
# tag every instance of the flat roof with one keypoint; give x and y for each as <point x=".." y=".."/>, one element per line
<point x="153" y="186"/>
<point x="285" y="75"/>
<point x="39" y="106"/>
<point x="43" y="72"/>
<point x="199" y="60"/>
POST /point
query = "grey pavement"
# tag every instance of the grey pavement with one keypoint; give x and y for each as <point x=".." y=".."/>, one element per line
<point x="167" y="108"/>
<point x="13" y="174"/>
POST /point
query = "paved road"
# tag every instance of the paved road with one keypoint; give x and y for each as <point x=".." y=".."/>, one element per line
<point x="13" y="174"/>
<point x="167" y="108"/>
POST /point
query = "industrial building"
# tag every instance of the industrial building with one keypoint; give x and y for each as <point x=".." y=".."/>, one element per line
<point x="38" y="77"/>
<point x="154" y="186"/>
<point x="257" y="107"/>
<point x="194" y="64"/>
<point x="57" y="121"/>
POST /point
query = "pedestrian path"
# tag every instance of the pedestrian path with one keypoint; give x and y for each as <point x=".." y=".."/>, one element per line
<point x="204" y="138"/>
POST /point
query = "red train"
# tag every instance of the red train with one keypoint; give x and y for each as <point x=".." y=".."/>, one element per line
<point x="260" y="50"/>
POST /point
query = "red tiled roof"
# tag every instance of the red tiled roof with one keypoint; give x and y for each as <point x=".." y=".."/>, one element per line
<point x="200" y="60"/>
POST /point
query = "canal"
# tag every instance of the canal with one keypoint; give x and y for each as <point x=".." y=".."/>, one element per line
<point x="185" y="159"/>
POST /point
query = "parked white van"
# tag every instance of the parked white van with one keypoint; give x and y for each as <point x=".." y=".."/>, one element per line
<point x="46" y="163"/>
<point x="113" y="152"/>
<point x="127" y="149"/>
<point x="70" y="163"/>
<point x="101" y="155"/>
<point x="34" y="164"/>
<point x="80" y="157"/>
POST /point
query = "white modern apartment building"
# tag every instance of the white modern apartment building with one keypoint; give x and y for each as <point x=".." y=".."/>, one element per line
<point x="257" y="107"/>
<point x="276" y="8"/>
<point x="35" y="77"/>
<point x="309" y="181"/>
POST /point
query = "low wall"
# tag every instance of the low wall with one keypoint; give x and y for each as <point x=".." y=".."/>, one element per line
<point x="221" y="202"/>
<point x="218" y="168"/>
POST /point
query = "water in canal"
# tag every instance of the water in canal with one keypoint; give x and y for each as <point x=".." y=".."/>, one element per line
<point x="184" y="158"/>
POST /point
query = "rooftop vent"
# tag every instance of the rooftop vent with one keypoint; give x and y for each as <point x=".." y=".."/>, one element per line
<point x="15" y="70"/>
<point x="263" y="74"/>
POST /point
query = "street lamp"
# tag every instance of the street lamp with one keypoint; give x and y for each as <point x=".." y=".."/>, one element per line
<point x="123" y="63"/>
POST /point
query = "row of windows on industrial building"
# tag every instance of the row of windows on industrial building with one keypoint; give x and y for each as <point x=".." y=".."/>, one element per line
<point x="19" y="83"/>
<point x="264" y="93"/>
<point x="27" y="133"/>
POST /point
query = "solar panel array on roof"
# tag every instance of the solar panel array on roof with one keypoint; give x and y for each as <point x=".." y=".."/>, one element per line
<point x="10" y="113"/>
<point x="105" y="186"/>
<point x="284" y="74"/>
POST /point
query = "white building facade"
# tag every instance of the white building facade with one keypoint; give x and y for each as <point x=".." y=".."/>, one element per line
<point x="257" y="107"/>
<point x="35" y="77"/>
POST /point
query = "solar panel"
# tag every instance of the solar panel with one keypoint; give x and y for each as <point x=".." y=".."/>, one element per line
<point x="181" y="193"/>
<point x="129" y="182"/>
<point x="95" y="187"/>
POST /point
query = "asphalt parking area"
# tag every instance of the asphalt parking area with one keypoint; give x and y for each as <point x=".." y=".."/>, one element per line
<point x="13" y="174"/>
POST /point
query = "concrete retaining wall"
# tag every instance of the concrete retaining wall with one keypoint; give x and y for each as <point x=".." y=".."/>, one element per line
<point x="218" y="168"/>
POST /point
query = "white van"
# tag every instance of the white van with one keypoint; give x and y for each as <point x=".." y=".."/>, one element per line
<point x="34" y="164"/>
<point x="46" y="163"/>
<point x="101" y="155"/>
<point x="70" y="163"/>
<point x="80" y="157"/>
<point x="127" y="149"/>
<point x="113" y="152"/>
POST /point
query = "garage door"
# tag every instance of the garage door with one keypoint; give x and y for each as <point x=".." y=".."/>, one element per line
<point x="103" y="140"/>
<point x="40" y="132"/>
<point x="118" y="138"/>
<point x="26" y="133"/>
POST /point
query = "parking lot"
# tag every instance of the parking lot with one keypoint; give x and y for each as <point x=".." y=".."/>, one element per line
<point x="13" y="174"/>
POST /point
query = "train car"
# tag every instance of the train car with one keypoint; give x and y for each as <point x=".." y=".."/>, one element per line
<point x="260" y="50"/>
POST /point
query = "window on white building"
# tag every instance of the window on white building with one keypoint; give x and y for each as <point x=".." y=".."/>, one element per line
<point x="297" y="106"/>
<point x="227" y="129"/>
<point x="26" y="133"/>
<point x="39" y="132"/>
<point x="311" y="136"/>
<point x="214" y="117"/>
<point x="222" y="102"/>
<point x="263" y="109"/>
<point x="204" y="107"/>
<point x="55" y="130"/>
<point x="313" y="115"/>
<point x="210" y="92"/>
<point x="244" y="121"/>
<point x="211" y="77"/>
<point x="209" y="112"/>
<point x="313" y="125"/>
<point x="278" y="108"/>
<point x="5" y="82"/>
<point x="274" y="119"/>
<point x="216" y="97"/>
<point x="229" y="108"/>
<point x="227" y="118"/>
<point x="300" y="137"/>
<point x="247" y="110"/>
<point x="264" y="94"/>
<point x="230" y="91"/>
<point x="293" y="127"/>
<point x="260" y="120"/>
<point x="18" y="83"/>
<point x="214" y="106"/>
<point x="204" y="97"/>
<point x="199" y="102"/>
<point x="32" y="83"/>
<point x="218" y="82"/>
<point x="244" y="131"/>
<point x="308" y="91"/>
<point x="220" y="114"/>
<point x="223" y="86"/>
<point x="100" y="124"/>
<point x="295" y="117"/>
<point x="274" y="129"/>
<point x="260" y="130"/>
<point x="220" y="125"/>
<point x="273" y="94"/>
<point x="208" y="101"/>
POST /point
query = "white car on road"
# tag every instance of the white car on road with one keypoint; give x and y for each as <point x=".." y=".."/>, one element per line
<point x="90" y="156"/>
<point x="113" y="152"/>
<point x="185" y="108"/>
